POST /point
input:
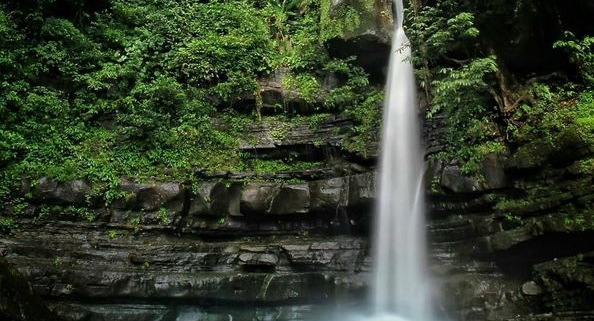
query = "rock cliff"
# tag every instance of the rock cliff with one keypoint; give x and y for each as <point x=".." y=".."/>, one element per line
<point x="511" y="242"/>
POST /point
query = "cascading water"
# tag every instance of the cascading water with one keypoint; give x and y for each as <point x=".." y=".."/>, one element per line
<point x="400" y="284"/>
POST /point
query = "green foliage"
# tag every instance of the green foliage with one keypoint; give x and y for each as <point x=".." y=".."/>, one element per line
<point x="163" y="216"/>
<point x="7" y="224"/>
<point x="355" y="89"/>
<point x="461" y="91"/>
<point x="580" y="51"/>
<point x="368" y="115"/>
<point x="306" y="85"/>
<point x="344" y="19"/>
<point x="143" y="89"/>
<point x="280" y="130"/>
<point x="113" y="234"/>
<point x="584" y="114"/>
<point x="436" y="31"/>
<point x="73" y="213"/>
<point x="57" y="262"/>
<point x="305" y="52"/>
<point x="135" y="224"/>
<point x="458" y="81"/>
<point x="573" y="113"/>
<point x="124" y="92"/>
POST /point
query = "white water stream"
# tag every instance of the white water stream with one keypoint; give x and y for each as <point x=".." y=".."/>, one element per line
<point x="400" y="286"/>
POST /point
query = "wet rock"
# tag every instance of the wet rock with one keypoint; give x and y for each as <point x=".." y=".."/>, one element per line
<point x="257" y="197"/>
<point x="362" y="191"/>
<point x="567" y="284"/>
<point x="276" y="134"/>
<point x="491" y="176"/>
<point x="453" y="180"/>
<point x="327" y="195"/>
<point x="151" y="198"/>
<point x="18" y="301"/>
<point x="274" y="94"/>
<point x="216" y="199"/>
<point x="493" y="172"/>
<point x="360" y="28"/>
<point x="200" y="203"/>
<point x="313" y="286"/>
<point x="259" y="260"/>
<point x="291" y="199"/>
<point x="67" y="193"/>
<point x="225" y="199"/>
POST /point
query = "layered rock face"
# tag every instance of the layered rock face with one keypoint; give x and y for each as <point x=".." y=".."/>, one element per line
<point x="244" y="245"/>
<point x="294" y="245"/>
<point x="521" y="228"/>
<point x="512" y="242"/>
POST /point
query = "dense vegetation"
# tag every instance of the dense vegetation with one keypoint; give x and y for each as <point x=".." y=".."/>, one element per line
<point x="480" y="64"/>
<point x="150" y="89"/>
<point x="157" y="88"/>
<point x="513" y="79"/>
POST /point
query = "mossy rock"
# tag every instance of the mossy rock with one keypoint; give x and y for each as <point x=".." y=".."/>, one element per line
<point x="347" y="19"/>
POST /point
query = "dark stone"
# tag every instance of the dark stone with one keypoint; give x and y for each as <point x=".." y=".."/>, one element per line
<point x="259" y="260"/>
<point x="67" y="193"/>
<point x="368" y="39"/>
<point x="200" y="203"/>
<point x="567" y="284"/>
<point x="453" y="180"/>
<point x="532" y="155"/>
<point x="151" y="198"/>
<point x="291" y="199"/>
<point x="491" y="176"/>
<point x="257" y="197"/>
<point x="328" y="194"/>
<point x="310" y="286"/>
<point x="225" y="199"/>
<point x="362" y="189"/>
<point x="276" y="134"/>
<point x="493" y="172"/>
<point x="18" y="301"/>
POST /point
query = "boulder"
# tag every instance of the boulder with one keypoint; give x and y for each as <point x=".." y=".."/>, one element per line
<point x="530" y="156"/>
<point x="50" y="191"/>
<point x="257" y="197"/>
<point x="491" y="176"/>
<point x="567" y="284"/>
<point x="225" y="199"/>
<point x="328" y="194"/>
<point x="217" y="199"/>
<point x="153" y="197"/>
<point x="258" y="260"/>
<point x="200" y="203"/>
<point x="362" y="189"/>
<point x="291" y="199"/>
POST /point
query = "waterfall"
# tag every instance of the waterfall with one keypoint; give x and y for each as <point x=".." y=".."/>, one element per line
<point x="400" y="285"/>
